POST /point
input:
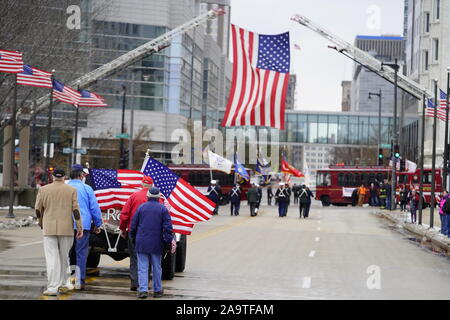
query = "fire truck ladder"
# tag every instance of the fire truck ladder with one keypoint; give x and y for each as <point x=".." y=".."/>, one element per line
<point x="366" y="59"/>
<point x="132" y="56"/>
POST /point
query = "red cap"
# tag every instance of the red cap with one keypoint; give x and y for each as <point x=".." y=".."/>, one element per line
<point x="147" y="180"/>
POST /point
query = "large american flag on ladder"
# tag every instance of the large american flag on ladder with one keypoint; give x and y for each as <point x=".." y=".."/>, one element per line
<point x="187" y="204"/>
<point x="260" y="79"/>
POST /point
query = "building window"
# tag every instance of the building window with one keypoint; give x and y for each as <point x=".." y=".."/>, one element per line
<point x="436" y="49"/>
<point x="437" y="9"/>
<point x="427" y="22"/>
<point x="426" y="60"/>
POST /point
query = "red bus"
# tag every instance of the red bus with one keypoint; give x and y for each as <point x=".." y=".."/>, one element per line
<point x="199" y="176"/>
<point x="336" y="184"/>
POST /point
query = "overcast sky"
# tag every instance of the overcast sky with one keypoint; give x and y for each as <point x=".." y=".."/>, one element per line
<point x="320" y="70"/>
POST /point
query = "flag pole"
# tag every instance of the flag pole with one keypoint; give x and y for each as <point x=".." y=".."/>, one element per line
<point x="49" y="131"/>
<point x="422" y="158"/>
<point x="446" y="150"/>
<point x="75" y="144"/>
<point x="13" y="151"/>
<point x="433" y="159"/>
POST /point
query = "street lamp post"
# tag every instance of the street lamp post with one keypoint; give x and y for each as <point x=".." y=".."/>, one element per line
<point x="379" y="95"/>
<point x="122" y="131"/>
<point x="422" y="158"/>
<point x="446" y="150"/>
<point x="433" y="157"/>
<point x="396" y="67"/>
<point x="77" y="115"/>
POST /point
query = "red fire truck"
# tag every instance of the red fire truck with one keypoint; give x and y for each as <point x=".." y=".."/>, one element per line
<point x="199" y="176"/>
<point x="336" y="183"/>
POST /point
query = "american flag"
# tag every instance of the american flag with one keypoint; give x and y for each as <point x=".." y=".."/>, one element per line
<point x="443" y="98"/>
<point x="187" y="204"/>
<point x="65" y="94"/>
<point x="112" y="188"/>
<point x="34" y="77"/>
<point x="260" y="79"/>
<point x="90" y="99"/>
<point x="11" y="61"/>
<point x="429" y="112"/>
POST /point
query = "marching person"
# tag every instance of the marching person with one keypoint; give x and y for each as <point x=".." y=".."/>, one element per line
<point x="252" y="198"/>
<point x="305" y="201"/>
<point x="151" y="232"/>
<point x="126" y="216"/>
<point x="259" y="197"/>
<point x="269" y="195"/>
<point x="310" y="195"/>
<point x="289" y="193"/>
<point x="214" y="194"/>
<point x="90" y="213"/>
<point x="56" y="209"/>
<point x="235" y="199"/>
<point x="296" y="190"/>
<point x="282" y="196"/>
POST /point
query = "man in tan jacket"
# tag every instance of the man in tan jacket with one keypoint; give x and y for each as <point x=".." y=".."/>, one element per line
<point x="57" y="208"/>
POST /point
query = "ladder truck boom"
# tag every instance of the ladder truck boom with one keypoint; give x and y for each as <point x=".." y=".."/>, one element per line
<point x="366" y="59"/>
<point x="132" y="56"/>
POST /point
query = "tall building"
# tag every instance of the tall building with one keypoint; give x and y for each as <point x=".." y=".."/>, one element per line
<point x="346" y="95"/>
<point x="427" y="50"/>
<point x="291" y="92"/>
<point x="187" y="80"/>
<point x="386" y="49"/>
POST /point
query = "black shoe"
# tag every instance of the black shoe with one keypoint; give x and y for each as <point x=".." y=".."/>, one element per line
<point x="158" y="294"/>
<point x="142" y="295"/>
<point x="133" y="288"/>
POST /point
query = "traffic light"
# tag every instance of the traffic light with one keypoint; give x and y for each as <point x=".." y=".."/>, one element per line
<point x="380" y="157"/>
<point x="38" y="153"/>
<point x="397" y="151"/>
<point x="402" y="165"/>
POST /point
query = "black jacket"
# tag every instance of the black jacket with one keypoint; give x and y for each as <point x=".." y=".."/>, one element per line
<point x="252" y="195"/>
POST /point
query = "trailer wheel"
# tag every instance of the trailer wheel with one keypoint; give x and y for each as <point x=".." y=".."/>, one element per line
<point x="168" y="266"/>
<point x="93" y="259"/>
<point x="325" y="201"/>
<point x="181" y="254"/>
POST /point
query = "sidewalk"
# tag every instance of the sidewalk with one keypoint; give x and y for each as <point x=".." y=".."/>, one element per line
<point x="427" y="236"/>
<point x="22" y="218"/>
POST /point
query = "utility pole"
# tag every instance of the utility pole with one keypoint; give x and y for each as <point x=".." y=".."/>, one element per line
<point x="122" y="164"/>
<point x="394" y="66"/>
<point x="75" y="143"/>
<point x="433" y="157"/>
<point x="49" y="133"/>
<point x="422" y="158"/>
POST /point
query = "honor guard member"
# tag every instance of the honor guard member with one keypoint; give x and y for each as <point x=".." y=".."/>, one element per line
<point x="235" y="199"/>
<point x="269" y="195"/>
<point x="214" y="194"/>
<point x="282" y="196"/>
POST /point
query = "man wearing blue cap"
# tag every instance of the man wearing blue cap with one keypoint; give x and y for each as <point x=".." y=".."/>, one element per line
<point x="151" y="232"/>
<point x="90" y="212"/>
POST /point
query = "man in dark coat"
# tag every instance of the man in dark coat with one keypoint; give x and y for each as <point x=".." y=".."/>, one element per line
<point x="235" y="199"/>
<point x="259" y="197"/>
<point x="252" y="198"/>
<point x="296" y="190"/>
<point x="214" y="194"/>
<point x="151" y="232"/>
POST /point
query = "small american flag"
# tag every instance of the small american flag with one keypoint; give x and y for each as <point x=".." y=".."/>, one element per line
<point x="90" y="99"/>
<point x="429" y="112"/>
<point x="34" y="77"/>
<point x="187" y="204"/>
<point x="65" y="94"/>
<point x="260" y="79"/>
<point x="112" y="188"/>
<point x="11" y="61"/>
<point x="443" y="98"/>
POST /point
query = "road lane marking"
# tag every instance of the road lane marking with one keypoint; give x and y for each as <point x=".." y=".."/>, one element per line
<point x="29" y="244"/>
<point x="312" y="253"/>
<point x="317" y="239"/>
<point x="306" y="283"/>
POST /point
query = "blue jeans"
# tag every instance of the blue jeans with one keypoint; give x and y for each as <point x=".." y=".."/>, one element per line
<point x="388" y="203"/>
<point x="444" y="224"/>
<point x="143" y="265"/>
<point x="81" y="251"/>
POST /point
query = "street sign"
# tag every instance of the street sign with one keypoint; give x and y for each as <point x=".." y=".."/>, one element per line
<point x="385" y="146"/>
<point x="70" y="150"/>
<point x="122" y="136"/>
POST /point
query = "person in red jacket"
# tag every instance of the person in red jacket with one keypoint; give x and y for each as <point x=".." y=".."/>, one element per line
<point x="128" y="210"/>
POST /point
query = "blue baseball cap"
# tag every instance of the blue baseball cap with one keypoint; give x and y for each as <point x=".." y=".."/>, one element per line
<point x="77" y="167"/>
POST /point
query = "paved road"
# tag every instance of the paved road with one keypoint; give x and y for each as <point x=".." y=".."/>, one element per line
<point x="337" y="253"/>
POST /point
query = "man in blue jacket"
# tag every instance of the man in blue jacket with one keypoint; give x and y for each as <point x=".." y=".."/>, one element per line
<point x="151" y="232"/>
<point x="90" y="212"/>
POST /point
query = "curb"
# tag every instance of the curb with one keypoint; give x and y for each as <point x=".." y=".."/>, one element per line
<point x="425" y="235"/>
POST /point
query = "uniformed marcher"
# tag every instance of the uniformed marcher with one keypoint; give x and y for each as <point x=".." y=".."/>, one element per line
<point x="214" y="194"/>
<point x="289" y="192"/>
<point x="269" y="195"/>
<point x="235" y="199"/>
<point x="282" y="196"/>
